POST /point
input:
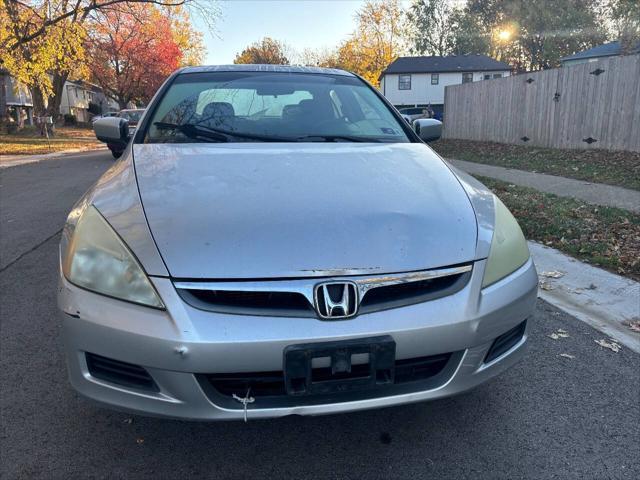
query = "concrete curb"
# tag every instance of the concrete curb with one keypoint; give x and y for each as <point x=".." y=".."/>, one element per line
<point x="7" y="161"/>
<point x="595" y="296"/>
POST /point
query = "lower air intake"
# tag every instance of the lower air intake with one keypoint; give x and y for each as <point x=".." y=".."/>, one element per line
<point x="411" y="375"/>
<point x="120" y="373"/>
<point x="505" y="342"/>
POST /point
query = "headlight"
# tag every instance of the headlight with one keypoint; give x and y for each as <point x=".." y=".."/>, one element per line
<point x="509" y="250"/>
<point x="99" y="261"/>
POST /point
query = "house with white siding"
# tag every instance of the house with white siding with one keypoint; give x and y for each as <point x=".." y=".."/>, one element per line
<point x="77" y="97"/>
<point x="420" y="81"/>
<point x="16" y="104"/>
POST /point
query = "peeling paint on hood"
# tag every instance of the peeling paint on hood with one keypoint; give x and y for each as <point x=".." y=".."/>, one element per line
<point x="265" y="210"/>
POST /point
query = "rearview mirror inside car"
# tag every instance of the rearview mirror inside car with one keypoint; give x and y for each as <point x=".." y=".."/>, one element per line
<point x="113" y="130"/>
<point x="428" y="129"/>
<point x="274" y="90"/>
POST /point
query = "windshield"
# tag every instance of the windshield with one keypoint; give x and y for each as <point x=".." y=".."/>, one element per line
<point x="268" y="106"/>
<point x="132" y="115"/>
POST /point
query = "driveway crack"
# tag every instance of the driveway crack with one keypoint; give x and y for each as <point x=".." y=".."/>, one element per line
<point x="35" y="247"/>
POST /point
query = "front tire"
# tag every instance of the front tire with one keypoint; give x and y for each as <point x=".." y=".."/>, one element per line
<point x="116" y="153"/>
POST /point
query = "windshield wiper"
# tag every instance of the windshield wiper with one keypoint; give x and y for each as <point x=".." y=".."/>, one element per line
<point x="337" y="138"/>
<point x="195" y="131"/>
<point x="192" y="130"/>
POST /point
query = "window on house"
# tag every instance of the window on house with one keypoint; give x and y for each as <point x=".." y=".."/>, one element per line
<point x="486" y="77"/>
<point x="435" y="78"/>
<point x="467" y="77"/>
<point x="404" y="82"/>
<point x="497" y="75"/>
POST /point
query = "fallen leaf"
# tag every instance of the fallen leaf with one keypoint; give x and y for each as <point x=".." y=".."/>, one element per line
<point x="139" y="441"/>
<point x="546" y="286"/>
<point x="128" y="421"/>
<point x="613" y="346"/>
<point x="566" y="355"/>
<point x="558" y="334"/>
<point x="553" y="274"/>
<point x="633" y="325"/>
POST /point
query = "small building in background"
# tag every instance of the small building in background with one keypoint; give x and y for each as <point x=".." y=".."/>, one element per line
<point x="420" y="81"/>
<point x="611" y="49"/>
<point x="15" y="101"/>
<point x="83" y="100"/>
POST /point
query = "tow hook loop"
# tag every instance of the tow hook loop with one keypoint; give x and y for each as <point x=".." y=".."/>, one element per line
<point x="245" y="401"/>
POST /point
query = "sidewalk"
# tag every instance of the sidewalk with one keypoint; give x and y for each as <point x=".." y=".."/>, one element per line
<point x="595" y="193"/>
<point x="7" y="161"/>
<point x="604" y="300"/>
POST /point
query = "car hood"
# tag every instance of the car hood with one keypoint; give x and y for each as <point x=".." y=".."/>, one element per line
<point x="265" y="210"/>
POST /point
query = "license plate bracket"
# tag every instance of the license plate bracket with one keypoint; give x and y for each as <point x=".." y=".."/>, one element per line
<point x="341" y="375"/>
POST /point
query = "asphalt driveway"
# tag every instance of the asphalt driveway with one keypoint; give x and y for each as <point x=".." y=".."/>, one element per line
<point x="551" y="416"/>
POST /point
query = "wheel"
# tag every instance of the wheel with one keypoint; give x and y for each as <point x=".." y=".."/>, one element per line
<point x="116" y="153"/>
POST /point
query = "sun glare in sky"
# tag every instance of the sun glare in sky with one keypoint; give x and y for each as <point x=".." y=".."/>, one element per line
<point x="505" y="35"/>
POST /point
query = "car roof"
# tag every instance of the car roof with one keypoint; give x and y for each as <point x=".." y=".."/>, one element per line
<point x="265" y="68"/>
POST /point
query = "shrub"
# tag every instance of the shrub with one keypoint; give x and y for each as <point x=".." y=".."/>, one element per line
<point x="70" y="119"/>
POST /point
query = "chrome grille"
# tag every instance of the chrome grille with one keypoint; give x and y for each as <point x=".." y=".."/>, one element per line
<point x="295" y="297"/>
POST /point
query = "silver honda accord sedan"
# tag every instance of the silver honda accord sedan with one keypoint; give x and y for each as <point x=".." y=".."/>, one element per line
<point x="278" y="240"/>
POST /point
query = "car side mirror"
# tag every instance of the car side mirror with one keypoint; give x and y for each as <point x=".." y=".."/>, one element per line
<point x="112" y="130"/>
<point x="428" y="129"/>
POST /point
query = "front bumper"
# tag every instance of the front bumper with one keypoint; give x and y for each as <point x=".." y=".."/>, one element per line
<point x="180" y="344"/>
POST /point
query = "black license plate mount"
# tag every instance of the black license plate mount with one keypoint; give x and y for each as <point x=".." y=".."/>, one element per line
<point x="340" y="375"/>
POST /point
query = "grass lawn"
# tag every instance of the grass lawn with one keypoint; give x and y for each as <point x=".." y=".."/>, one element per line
<point x="30" y="142"/>
<point x="603" y="236"/>
<point x="598" y="166"/>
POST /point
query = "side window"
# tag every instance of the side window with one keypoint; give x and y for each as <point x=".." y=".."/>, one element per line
<point x="467" y="77"/>
<point x="435" y="78"/>
<point x="404" y="82"/>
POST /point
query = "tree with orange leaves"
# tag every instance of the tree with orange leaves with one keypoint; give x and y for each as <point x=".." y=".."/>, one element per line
<point x="132" y="51"/>
<point x="377" y="41"/>
<point x="42" y="42"/>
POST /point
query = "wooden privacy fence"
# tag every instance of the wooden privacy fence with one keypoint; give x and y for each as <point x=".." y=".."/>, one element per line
<point x="590" y="105"/>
